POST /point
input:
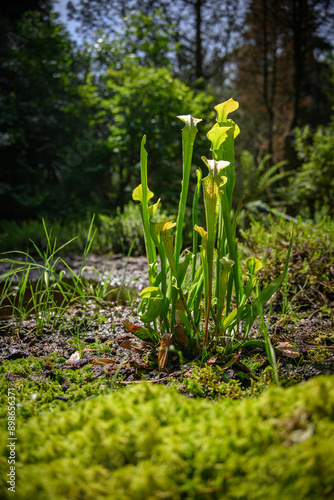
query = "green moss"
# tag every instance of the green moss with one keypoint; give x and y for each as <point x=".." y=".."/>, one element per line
<point x="23" y="366"/>
<point x="325" y="337"/>
<point x="319" y="355"/>
<point x="212" y="382"/>
<point x="39" y="383"/>
<point x="149" y="442"/>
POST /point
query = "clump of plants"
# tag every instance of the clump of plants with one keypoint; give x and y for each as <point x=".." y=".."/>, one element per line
<point x="43" y="286"/>
<point x="258" y="181"/>
<point x="311" y="262"/>
<point x="212" y="382"/>
<point x="201" y="296"/>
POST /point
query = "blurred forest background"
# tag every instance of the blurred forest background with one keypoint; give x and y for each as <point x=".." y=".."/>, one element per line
<point x="75" y="105"/>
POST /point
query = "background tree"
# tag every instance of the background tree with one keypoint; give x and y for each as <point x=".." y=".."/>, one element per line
<point x="43" y="115"/>
<point x="73" y="120"/>
<point x="11" y="13"/>
<point x="281" y="75"/>
<point x="143" y="39"/>
<point x="135" y="100"/>
<point x="205" y="31"/>
<point x="73" y="116"/>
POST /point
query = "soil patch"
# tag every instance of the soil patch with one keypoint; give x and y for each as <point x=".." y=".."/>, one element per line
<point x="102" y="336"/>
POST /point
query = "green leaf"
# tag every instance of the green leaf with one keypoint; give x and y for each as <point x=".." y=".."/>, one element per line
<point x="182" y="268"/>
<point x="252" y="343"/>
<point x="225" y="108"/>
<point x="137" y="194"/>
<point x="164" y="226"/>
<point x="218" y="134"/>
<point x="156" y="301"/>
<point x="196" y="287"/>
<point x="195" y="220"/>
<point x="202" y="232"/>
<point x="153" y="208"/>
<point x="155" y="308"/>
<point x="145" y="194"/>
<point x="188" y="137"/>
<point x="253" y="265"/>
<point x="161" y="230"/>
<point x="149" y="291"/>
<point x="232" y="317"/>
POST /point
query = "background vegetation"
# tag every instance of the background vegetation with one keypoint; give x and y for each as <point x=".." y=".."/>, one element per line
<point x="76" y="105"/>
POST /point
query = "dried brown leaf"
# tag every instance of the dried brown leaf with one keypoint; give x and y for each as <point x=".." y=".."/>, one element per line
<point x="288" y="350"/>
<point x="136" y="345"/>
<point x="165" y="342"/>
<point x="102" y="361"/>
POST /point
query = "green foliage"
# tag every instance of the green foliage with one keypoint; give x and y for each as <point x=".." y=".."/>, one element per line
<point x="114" y="233"/>
<point x="134" y="100"/>
<point x="123" y="231"/>
<point x="144" y="39"/>
<point x="311" y="256"/>
<point x="43" y="119"/>
<point x="151" y="442"/>
<point x="311" y="189"/>
<point x="258" y="182"/>
<point x="72" y="119"/>
<point x="17" y="235"/>
<point x="226" y="320"/>
<point x="48" y="297"/>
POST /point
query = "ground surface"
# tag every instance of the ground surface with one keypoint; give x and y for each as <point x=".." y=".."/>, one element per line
<point x="101" y="336"/>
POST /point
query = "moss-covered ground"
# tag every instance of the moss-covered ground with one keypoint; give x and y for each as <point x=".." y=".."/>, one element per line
<point x="150" y="442"/>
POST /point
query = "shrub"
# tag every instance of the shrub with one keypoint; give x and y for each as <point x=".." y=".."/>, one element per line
<point x="312" y="189"/>
<point x="118" y="234"/>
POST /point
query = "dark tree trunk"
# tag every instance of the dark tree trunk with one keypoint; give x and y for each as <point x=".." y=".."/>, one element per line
<point x="199" y="47"/>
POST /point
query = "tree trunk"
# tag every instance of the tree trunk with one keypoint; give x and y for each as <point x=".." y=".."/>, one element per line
<point x="199" y="47"/>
